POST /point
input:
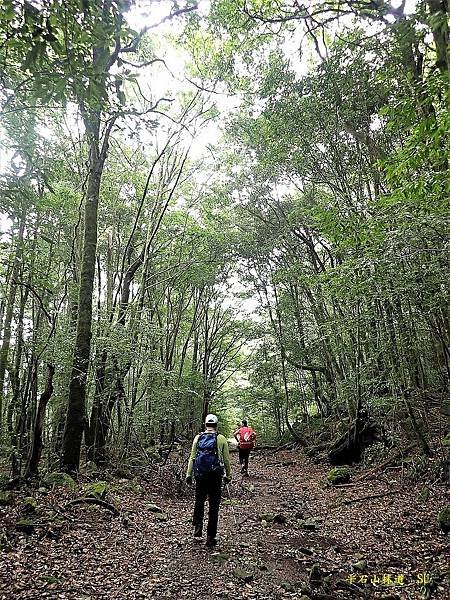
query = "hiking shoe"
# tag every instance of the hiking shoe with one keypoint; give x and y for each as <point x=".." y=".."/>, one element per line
<point x="242" y="470"/>
<point x="211" y="542"/>
<point x="197" y="533"/>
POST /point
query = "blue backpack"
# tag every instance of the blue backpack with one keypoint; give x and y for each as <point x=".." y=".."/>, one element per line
<point x="207" y="459"/>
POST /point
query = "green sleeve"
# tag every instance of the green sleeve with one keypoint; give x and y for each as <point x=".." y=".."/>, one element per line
<point x="192" y="456"/>
<point x="226" y="456"/>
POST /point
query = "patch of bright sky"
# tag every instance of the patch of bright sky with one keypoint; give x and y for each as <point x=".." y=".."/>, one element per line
<point x="170" y="80"/>
<point x="410" y="6"/>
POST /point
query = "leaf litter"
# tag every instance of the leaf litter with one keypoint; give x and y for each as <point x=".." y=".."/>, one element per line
<point x="320" y="542"/>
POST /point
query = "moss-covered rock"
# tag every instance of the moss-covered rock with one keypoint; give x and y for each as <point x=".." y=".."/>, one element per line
<point x="59" y="479"/>
<point x="315" y="575"/>
<point x="267" y="517"/>
<point x="242" y="575"/>
<point x="219" y="557"/>
<point x="6" y="498"/>
<point x="123" y="473"/>
<point x="50" y="579"/>
<point x="98" y="489"/>
<point x="161" y="517"/>
<point x="444" y="519"/>
<point x="446" y="441"/>
<point x="250" y="488"/>
<point x="338" y="475"/>
<point x="361" y="565"/>
<point x="288" y="586"/>
<point x="29" y="505"/>
<point x="270" y="517"/>
<point x="310" y="524"/>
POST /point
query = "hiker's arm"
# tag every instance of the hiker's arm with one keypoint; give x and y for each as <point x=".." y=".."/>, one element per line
<point x="190" y="467"/>
<point x="226" y="459"/>
<point x="235" y="435"/>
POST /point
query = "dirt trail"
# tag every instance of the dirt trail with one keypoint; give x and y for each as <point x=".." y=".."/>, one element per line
<point x="138" y="556"/>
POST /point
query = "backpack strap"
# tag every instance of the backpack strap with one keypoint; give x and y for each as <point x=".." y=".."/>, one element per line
<point x="219" y="457"/>
<point x="216" y="445"/>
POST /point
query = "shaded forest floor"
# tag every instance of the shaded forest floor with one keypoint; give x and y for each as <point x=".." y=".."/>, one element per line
<point x="88" y="553"/>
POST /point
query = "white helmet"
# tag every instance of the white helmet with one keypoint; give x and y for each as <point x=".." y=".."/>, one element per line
<point x="211" y="420"/>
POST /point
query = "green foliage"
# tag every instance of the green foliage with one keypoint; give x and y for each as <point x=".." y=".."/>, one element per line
<point x="55" y="47"/>
<point x="351" y="259"/>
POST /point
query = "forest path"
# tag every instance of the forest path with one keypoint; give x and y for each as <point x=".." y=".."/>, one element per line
<point x="138" y="556"/>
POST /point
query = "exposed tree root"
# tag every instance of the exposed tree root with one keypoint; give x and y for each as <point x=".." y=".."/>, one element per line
<point x="96" y="501"/>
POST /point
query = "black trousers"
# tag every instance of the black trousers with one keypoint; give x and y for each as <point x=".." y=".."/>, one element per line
<point x="244" y="453"/>
<point x="208" y="486"/>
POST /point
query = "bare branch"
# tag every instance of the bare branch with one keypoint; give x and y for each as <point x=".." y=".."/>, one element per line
<point x="135" y="43"/>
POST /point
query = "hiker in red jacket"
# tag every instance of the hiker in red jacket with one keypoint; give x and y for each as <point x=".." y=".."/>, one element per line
<point x="246" y="437"/>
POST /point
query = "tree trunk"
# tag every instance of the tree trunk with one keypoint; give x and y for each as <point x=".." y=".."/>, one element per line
<point x="98" y="406"/>
<point x="439" y="8"/>
<point x="15" y="384"/>
<point x="4" y="351"/>
<point x="76" y="409"/>
<point x="416" y="427"/>
<point x="36" y="435"/>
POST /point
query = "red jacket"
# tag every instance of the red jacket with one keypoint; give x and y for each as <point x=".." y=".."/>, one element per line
<point x="246" y="437"/>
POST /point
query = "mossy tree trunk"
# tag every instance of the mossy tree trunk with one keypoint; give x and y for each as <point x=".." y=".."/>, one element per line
<point x="36" y="436"/>
<point x="76" y="410"/>
<point x="9" y="313"/>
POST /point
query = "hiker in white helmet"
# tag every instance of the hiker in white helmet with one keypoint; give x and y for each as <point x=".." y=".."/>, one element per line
<point x="208" y="461"/>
